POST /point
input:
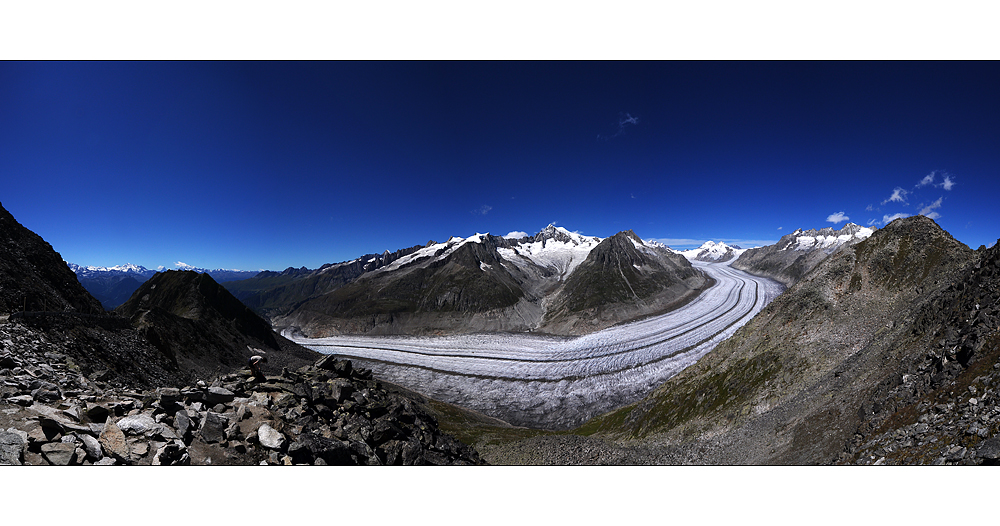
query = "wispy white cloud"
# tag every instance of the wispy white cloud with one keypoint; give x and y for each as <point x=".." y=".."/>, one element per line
<point x="886" y="219"/>
<point x="780" y="227"/>
<point x="929" y="209"/>
<point x="870" y="208"/>
<point x="928" y="179"/>
<point x="898" y="196"/>
<point x="516" y="235"/>
<point x="836" y="218"/>
<point x="624" y="119"/>
<point x="483" y="210"/>
<point x="872" y="221"/>
<point x="947" y="184"/>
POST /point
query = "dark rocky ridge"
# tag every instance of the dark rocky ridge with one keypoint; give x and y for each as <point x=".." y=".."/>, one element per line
<point x="34" y="277"/>
<point x="200" y="326"/>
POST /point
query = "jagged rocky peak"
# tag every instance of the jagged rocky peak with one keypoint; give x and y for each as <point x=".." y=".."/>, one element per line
<point x="710" y="251"/>
<point x="826" y="239"/>
<point x="560" y="234"/>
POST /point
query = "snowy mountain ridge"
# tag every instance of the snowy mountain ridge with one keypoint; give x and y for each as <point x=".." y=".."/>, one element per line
<point x="826" y="239"/>
<point x="710" y="251"/>
<point x="127" y="268"/>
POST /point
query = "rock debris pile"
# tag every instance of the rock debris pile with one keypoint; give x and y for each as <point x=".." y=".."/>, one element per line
<point x="328" y="413"/>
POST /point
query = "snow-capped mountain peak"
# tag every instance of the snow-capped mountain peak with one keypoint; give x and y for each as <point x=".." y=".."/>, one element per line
<point x="126" y="268"/>
<point x="712" y="251"/>
<point x="825" y="239"/>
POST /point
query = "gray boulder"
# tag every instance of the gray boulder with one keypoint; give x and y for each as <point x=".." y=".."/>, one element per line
<point x="219" y="395"/>
<point x="12" y="446"/>
<point x="183" y="423"/>
<point x="59" y="453"/>
<point x="141" y="424"/>
<point x="213" y="428"/>
<point x="171" y="454"/>
<point x="270" y="437"/>
<point x="113" y="442"/>
<point x="92" y="446"/>
<point x="989" y="449"/>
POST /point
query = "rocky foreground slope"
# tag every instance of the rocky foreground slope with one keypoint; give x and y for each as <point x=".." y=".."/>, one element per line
<point x="161" y="380"/>
<point x="324" y="413"/>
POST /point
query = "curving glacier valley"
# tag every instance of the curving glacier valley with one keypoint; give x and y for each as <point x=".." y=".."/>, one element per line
<point x="559" y="383"/>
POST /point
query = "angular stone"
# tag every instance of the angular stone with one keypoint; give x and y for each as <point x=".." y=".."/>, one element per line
<point x="169" y="396"/>
<point x="113" y="442"/>
<point x="219" y="395"/>
<point x="989" y="449"/>
<point x="12" y="447"/>
<point x="270" y="437"/>
<point x="140" y="424"/>
<point x="23" y="400"/>
<point x="213" y="428"/>
<point x="92" y="446"/>
<point x="97" y="413"/>
<point x="138" y="447"/>
<point x="106" y="461"/>
<point x="59" y="453"/>
<point x="79" y="455"/>
<point x="183" y="423"/>
<point x="44" y="395"/>
<point x="55" y="419"/>
<point x="171" y="454"/>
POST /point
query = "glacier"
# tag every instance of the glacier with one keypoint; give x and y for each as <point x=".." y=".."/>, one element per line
<point x="560" y="382"/>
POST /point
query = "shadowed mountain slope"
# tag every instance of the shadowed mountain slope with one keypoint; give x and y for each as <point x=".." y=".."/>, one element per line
<point x="622" y="275"/>
<point x="34" y="277"/>
<point x="200" y="325"/>
<point x="556" y="282"/>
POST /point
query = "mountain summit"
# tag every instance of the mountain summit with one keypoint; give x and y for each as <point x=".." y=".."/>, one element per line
<point x="547" y="282"/>
<point x="795" y="254"/>
<point x="713" y="252"/>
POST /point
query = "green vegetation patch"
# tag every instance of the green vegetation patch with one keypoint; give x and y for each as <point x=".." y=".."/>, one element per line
<point x="691" y="398"/>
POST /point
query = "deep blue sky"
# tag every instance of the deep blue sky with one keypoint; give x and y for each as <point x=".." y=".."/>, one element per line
<point x="265" y="165"/>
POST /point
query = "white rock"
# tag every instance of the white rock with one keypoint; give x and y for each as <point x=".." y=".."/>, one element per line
<point x="270" y="437"/>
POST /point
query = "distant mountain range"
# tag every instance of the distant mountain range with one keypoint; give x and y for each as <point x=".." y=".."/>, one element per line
<point x="556" y="281"/>
<point x="112" y="286"/>
<point x="713" y="252"/>
<point x="795" y="254"/>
